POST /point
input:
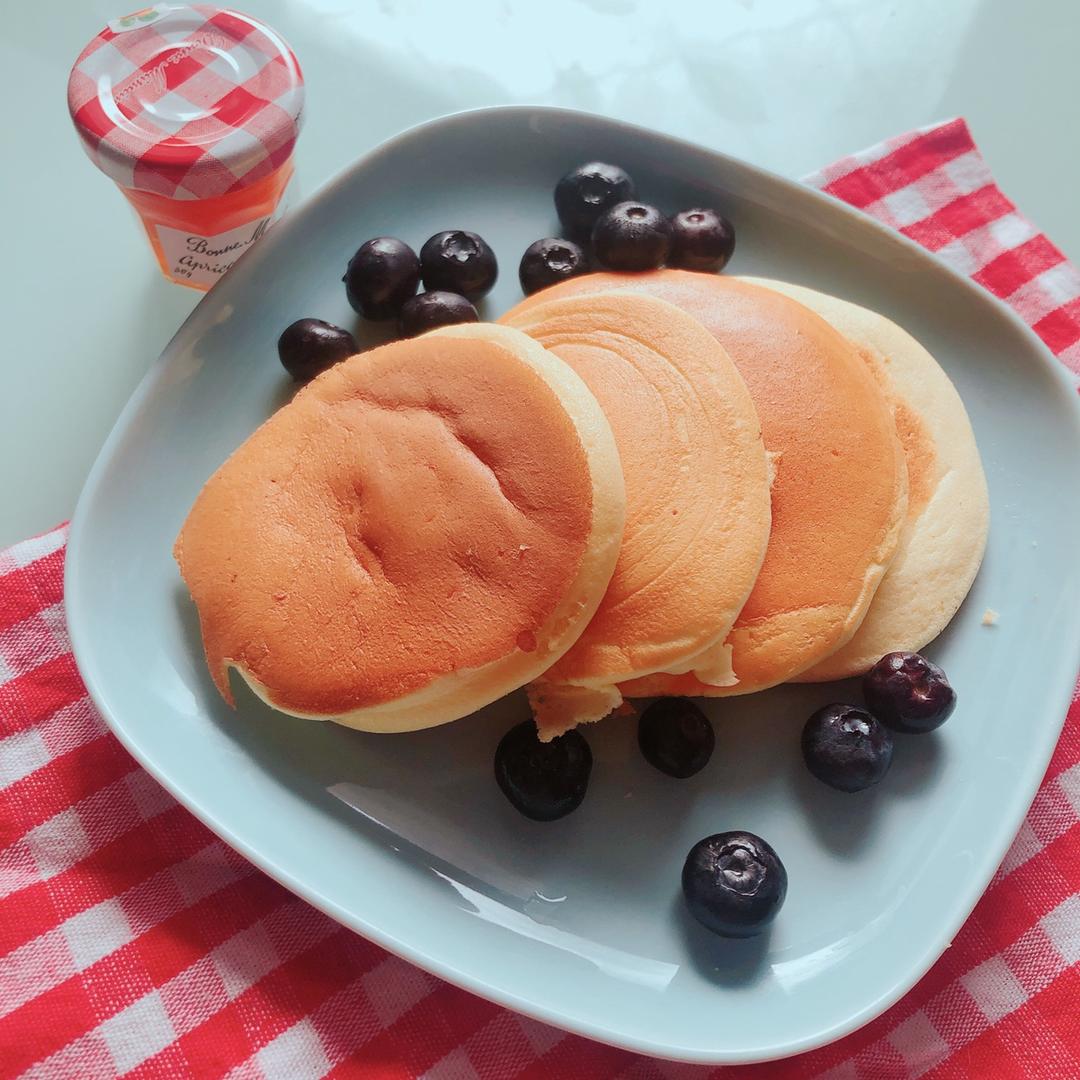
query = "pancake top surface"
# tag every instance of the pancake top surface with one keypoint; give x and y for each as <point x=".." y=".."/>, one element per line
<point x="839" y="491"/>
<point x="417" y="510"/>
<point x="697" y="481"/>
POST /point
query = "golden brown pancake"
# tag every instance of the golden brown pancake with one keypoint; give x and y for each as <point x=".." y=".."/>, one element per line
<point x="944" y="535"/>
<point x="424" y="528"/>
<point x="697" y="490"/>
<point x="839" y="493"/>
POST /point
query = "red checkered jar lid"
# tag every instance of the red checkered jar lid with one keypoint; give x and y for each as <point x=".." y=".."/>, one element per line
<point x="187" y="101"/>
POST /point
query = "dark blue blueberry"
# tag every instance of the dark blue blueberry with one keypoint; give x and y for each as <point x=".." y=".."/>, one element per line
<point x="584" y="193"/>
<point x="676" y="736"/>
<point x="381" y="276"/>
<point x="544" y="781"/>
<point x="846" y="748"/>
<point x="430" y="310"/>
<point x="632" y="236"/>
<point x="701" y="240"/>
<point x="460" y="262"/>
<point x="310" y="346"/>
<point x="549" y="261"/>
<point x="734" y="883"/>
<point x="908" y="693"/>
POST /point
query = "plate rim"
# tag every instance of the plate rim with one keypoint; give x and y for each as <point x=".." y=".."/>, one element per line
<point x="1018" y="803"/>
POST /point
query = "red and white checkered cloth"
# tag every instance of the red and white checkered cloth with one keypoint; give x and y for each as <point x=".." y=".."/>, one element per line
<point x="134" y="942"/>
<point x="188" y="101"/>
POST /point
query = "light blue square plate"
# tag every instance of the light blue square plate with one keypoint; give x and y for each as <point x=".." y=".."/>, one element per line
<point x="406" y="838"/>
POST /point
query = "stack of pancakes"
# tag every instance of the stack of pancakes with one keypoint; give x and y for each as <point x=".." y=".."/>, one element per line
<point x="633" y="485"/>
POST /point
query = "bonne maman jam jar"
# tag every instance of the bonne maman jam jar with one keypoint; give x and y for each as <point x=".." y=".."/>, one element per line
<point x="194" y="112"/>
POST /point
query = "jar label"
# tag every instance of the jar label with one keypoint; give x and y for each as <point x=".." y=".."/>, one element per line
<point x="201" y="260"/>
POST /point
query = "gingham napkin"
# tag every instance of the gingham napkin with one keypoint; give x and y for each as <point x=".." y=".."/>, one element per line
<point x="135" y="943"/>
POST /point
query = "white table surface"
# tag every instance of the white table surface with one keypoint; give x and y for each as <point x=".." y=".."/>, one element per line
<point x="787" y="84"/>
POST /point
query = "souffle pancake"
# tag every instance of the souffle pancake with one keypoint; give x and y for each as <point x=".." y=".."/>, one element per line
<point x="948" y="517"/>
<point x="424" y="528"/>
<point x="697" y="489"/>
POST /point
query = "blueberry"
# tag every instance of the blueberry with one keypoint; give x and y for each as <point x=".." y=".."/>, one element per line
<point x="381" y="276"/>
<point x="309" y="346"/>
<point x="734" y="883"/>
<point x="549" y="261"/>
<point x="433" y="309"/>
<point x="584" y="193"/>
<point x="676" y="737"/>
<point x="544" y="781"/>
<point x="632" y="236"/>
<point x="701" y="239"/>
<point x="909" y="693"/>
<point x="458" y="261"/>
<point x="846" y="748"/>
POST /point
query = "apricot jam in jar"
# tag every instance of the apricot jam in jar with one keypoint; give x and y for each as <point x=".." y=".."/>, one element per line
<point x="194" y="112"/>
